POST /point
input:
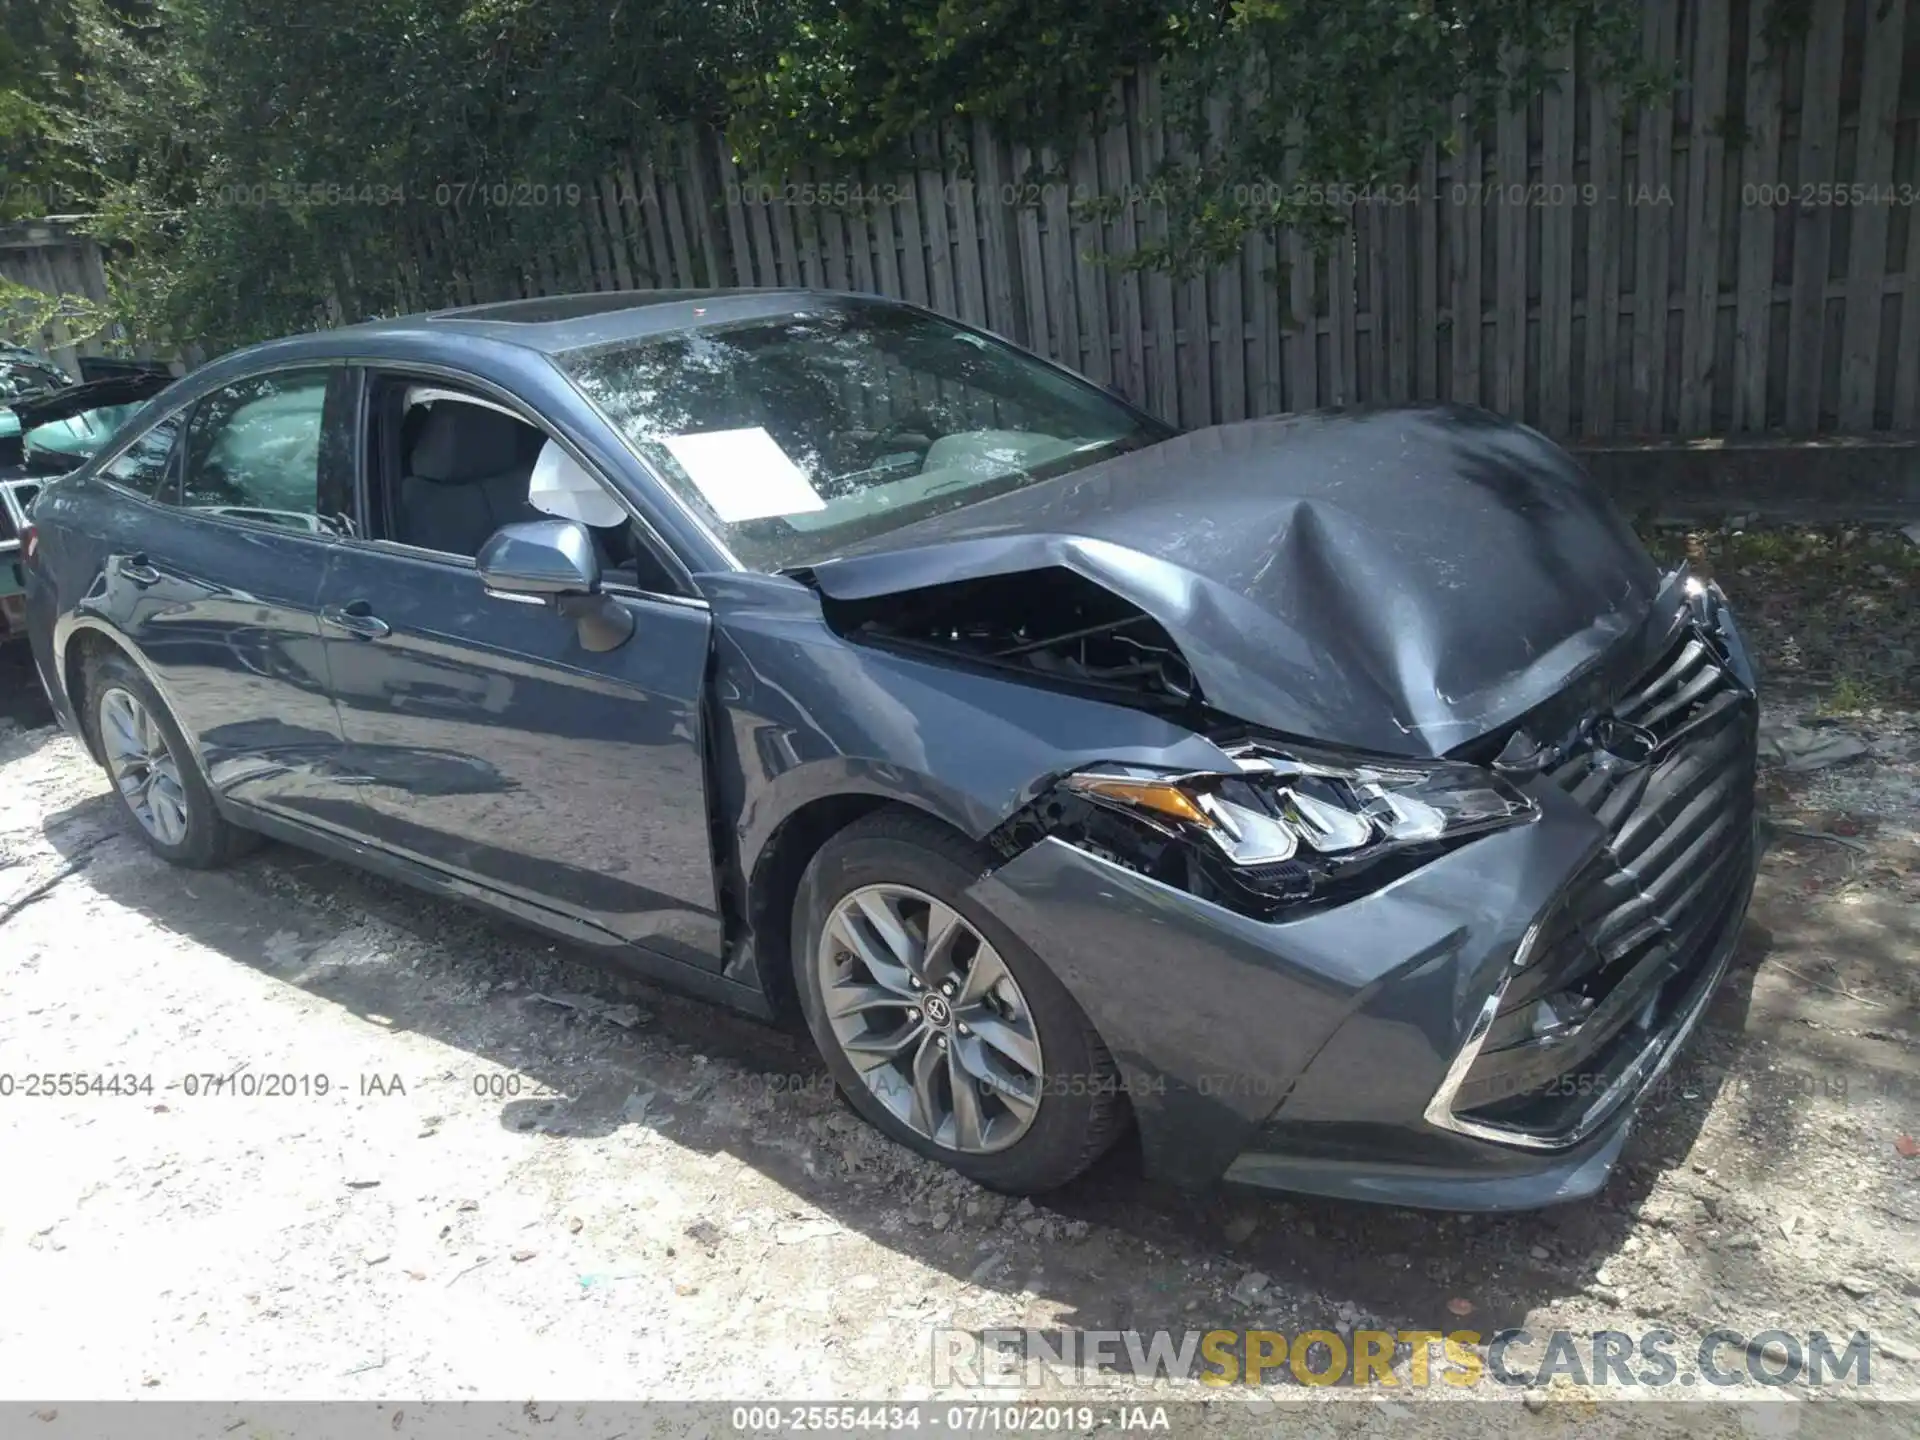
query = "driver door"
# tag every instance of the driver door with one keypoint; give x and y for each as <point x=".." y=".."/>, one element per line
<point x="482" y="739"/>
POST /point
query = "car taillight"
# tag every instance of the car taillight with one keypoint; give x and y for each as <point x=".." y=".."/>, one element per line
<point x="29" y="542"/>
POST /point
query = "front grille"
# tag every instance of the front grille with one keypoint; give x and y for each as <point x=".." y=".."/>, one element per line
<point x="1633" y="934"/>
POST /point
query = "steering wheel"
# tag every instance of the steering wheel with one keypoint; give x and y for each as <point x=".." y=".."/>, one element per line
<point x="917" y="423"/>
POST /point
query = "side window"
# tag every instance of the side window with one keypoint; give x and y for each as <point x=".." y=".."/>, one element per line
<point x="253" y="451"/>
<point x="454" y="471"/>
<point x="142" y="466"/>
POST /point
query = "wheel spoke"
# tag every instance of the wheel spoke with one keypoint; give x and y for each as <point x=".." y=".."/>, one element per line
<point x="123" y="740"/>
<point x="1010" y="1039"/>
<point x="926" y="1068"/>
<point x="892" y="931"/>
<point x="986" y="971"/>
<point x="134" y="783"/>
<point x="944" y="929"/>
<point x="968" y="1126"/>
<point x="875" y="1048"/>
<point x="884" y="969"/>
<point x="855" y="999"/>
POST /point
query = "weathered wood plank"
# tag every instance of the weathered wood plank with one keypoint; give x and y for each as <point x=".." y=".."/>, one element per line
<point x="1089" y="276"/>
<point x="700" y="217"/>
<point x="1813" y="225"/>
<point x="1604" y="237"/>
<point x="1033" y="270"/>
<point x="1510" y="279"/>
<point x="1906" y="373"/>
<point x="613" y="216"/>
<point x="1229" y="312"/>
<point x="1063" y="304"/>
<point x="1867" y="252"/>
<point x="1706" y="169"/>
<point x="1343" y="363"/>
<point x="860" y="245"/>
<point x="1556" y="250"/>
<point x="1465" y="216"/>
<point x="996" y="227"/>
<point x="739" y="246"/>
<point x="1263" y="325"/>
<point x="1402" y="301"/>
<point x="1149" y="141"/>
<point x="1426" y="280"/>
<point x="934" y="228"/>
<point x="1371" y="253"/>
<point x="970" y="285"/>
<point x="1303" y="327"/>
<point x="1650" y="204"/>
<point x="1759" y="170"/>
<point x="1116" y="179"/>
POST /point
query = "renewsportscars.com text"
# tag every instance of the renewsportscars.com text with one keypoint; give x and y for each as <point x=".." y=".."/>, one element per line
<point x="1654" y="1359"/>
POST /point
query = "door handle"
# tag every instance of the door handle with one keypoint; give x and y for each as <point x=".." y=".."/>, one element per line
<point x="135" y="570"/>
<point x="357" y="619"/>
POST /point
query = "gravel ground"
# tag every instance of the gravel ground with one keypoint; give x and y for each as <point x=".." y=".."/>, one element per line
<point x="531" y="1177"/>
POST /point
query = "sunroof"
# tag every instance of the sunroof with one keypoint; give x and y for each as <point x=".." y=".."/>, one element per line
<point x="546" y="309"/>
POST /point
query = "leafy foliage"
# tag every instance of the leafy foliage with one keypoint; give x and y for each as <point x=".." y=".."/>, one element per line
<point x="264" y="166"/>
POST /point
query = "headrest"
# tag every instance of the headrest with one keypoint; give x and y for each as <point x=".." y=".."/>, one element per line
<point x="458" y="443"/>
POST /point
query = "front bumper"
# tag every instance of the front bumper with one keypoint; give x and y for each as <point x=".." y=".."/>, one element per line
<point x="1390" y="1048"/>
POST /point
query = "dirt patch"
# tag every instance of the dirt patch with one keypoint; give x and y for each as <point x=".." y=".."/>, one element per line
<point x="392" y="1147"/>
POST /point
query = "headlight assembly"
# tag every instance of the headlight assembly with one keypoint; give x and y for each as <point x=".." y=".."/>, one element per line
<point x="1287" y="825"/>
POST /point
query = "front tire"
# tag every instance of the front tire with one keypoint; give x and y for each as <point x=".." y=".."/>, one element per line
<point x="156" y="781"/>
<point x="941" y="1027"/>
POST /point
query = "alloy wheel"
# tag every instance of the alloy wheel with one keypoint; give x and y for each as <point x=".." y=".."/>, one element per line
<point x="931" y="1018"/>
<point x="143" y="766"/>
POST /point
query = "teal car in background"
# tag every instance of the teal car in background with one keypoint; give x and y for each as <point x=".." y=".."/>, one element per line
<point x="49" y="425"/>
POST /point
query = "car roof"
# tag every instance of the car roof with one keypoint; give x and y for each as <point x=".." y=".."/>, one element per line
<point x="556" y="323"/>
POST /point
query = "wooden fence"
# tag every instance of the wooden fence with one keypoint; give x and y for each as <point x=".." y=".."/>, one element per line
<point x="1743" y="256"/>
<point x="49" y="257"/>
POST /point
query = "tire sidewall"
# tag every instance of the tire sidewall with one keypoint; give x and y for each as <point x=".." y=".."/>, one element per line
<point x="1054" y="1147"/>
<point x="200" y="847"/>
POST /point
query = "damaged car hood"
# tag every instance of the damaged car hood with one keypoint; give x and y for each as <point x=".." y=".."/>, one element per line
<point x="1402" y="581"/>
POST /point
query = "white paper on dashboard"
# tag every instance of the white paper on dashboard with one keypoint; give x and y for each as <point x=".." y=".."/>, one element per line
<point x="744" y="474"/>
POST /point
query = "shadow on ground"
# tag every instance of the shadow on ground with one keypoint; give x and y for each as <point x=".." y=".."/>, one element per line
<point x="278" y="910"/>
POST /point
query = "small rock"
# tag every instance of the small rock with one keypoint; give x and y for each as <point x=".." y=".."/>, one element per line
<point x="1789" y="1225"/>
<point x="1893" y="1350"/>
<point x="1460" y="1305"/>
<point x="634" y="1108"/>
<point x="1238" y="1229"/>
<point x="520" y="1257"/>
<point x="373" y="1257"/>
<point x="1534" y="1400"/>
<point x="1540" y="1252"/>
<point x="1033" y="1227"/>
<point x="1776" y="1351"/>
<point x="797" y="1231"/>
<point x="1025" y="1207"/>
<point x="575" y="1225"/>
<point x="1856" y="1286"/>
<point x="1077" y="1230"/>
<point x="468" y="1205"/>
<point x="987" y="1266"/>
<point x="942" y="1219"/>
<point x="1251" y="1288"/>
<point x="1745" y="1240"/>
<point x="361" y="1184"/>
<point x="1605" y="1294"/>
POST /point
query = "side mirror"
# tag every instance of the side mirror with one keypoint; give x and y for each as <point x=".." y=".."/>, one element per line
<point x="539" y="560"/>
<point x="553" y="563"/>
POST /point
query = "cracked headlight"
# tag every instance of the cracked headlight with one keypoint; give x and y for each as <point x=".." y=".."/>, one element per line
<point x="1295" y="824"/>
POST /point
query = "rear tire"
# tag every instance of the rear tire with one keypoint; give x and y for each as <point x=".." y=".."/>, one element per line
<point x="967" y="1050"/>
<point x="157" y="783"/>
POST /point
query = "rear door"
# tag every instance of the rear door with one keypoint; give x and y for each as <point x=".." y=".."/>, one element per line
<point x="487" y="742"/>
<point x="217" y="579"/>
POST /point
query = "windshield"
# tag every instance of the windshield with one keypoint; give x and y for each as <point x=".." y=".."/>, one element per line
<point x="797" y="436"/>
